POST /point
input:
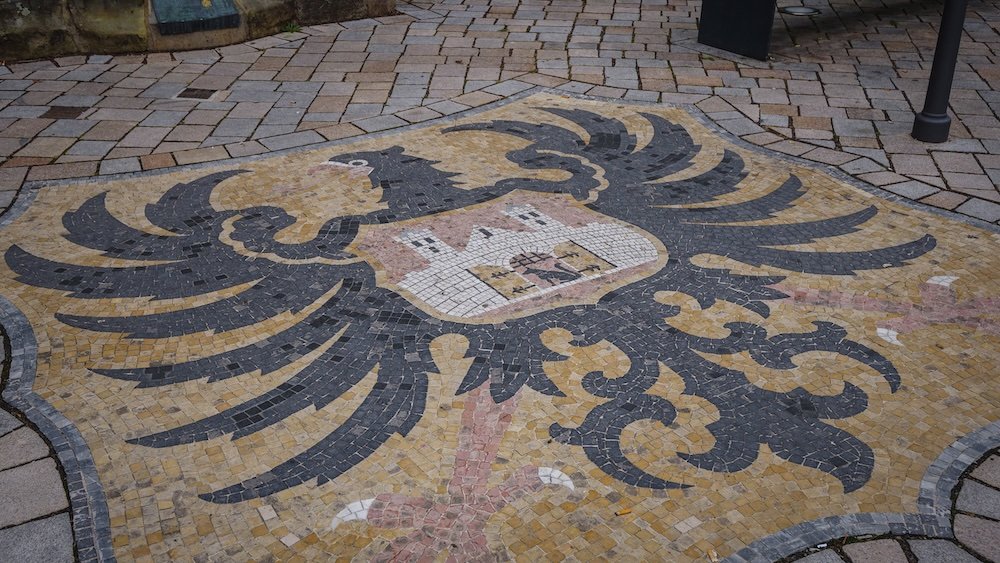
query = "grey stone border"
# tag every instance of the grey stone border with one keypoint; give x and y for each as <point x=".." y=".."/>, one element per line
<point x="939" y="480"/>
<point x="91" y="523"/>
<point x="934" y="505"/>
<point x="799" y="537"/>
<point x="22" y="200"/>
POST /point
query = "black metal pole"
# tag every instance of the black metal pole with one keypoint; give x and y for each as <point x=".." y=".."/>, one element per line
<point x="932" y="124"/>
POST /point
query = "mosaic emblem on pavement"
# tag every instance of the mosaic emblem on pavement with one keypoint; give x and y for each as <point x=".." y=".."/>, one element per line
<point x="513" y="254"/>
<point x="624" y="303"/>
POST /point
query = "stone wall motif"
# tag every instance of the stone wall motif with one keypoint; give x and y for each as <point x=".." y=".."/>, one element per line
<point x="37" y="29"/>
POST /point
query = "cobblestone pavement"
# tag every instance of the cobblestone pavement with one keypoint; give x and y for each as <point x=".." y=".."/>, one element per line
<point x="571" y="322"/>
<point x="35" y="524"/>
<point x="974" y="516"/>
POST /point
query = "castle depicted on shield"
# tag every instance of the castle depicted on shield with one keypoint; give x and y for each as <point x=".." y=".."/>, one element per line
<point x="499" y="267"/>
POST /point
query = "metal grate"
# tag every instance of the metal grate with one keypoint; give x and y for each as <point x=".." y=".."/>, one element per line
<point x="188" y="16"/>
<point x="63" y="112"/>
<point x="196" y="93"/>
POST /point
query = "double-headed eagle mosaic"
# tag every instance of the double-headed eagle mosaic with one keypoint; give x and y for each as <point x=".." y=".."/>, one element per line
<point x="356" y="325"/>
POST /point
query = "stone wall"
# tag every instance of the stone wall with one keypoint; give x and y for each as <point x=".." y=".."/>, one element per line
<point x="34" y="29"/>
<point x="311" y="12"/>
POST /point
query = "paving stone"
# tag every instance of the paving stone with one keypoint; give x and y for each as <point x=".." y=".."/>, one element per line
<point x="49" y="147"/>
<point x="23" y="111"/>
<point x="957" y="162"/>
<point x="109" y="130"/>
<point x="958" y="180"/>
<point x="205" y="117"/>
<point x="163" y="90"/>
<point x="825" y="556"/>
<point x="215" y="141"/>
<point x="200" y="155"/>
<point x="61" y="171"/>
<point x="861" y="166"/>
<point x="853" y="127"/>
<point x="11" y="178"/>
<point x="980" y="209"/>
<point x="209" y="82"/>
<point x="21" y="446"/>
<point x="962" y="145"/>
<point x="939" y="551"/>
<point x="166" y="146"/>
<point x="49" y="540"/>
<point x="31" y="491"/>
<point x="189" y="133"/>
<point x="475" y="99"/>
<point x="945" y="200"/>
<point x="68" y="128"/>
<point x="283" y="116"/>
<point x="295" y="100"/>
<point x="979" y="499"/>
<point x="154" y="161"/>
<point x="120" y="165"/>
<point x="19" y="161"/>
<point x="26" y="128"/>
<point x="245" y="148"/>
<point x="236" y="127"/>
<point x="877" y="551"/>
<point x="740" y="126"/>
<point x="144" y="136"/>
<point x="418" y="114"/>
<point x="828" y="156"/>
<point x="339" y="131"/>
<point x="911" y="189"/>
<point x="913" y="164"/>
<point x="91" y="148"/>
<point x="794" y="148"/>
<point x="989" y="471"/>
<point x="127" y="152"/>
<point x="507" y="88"/>
<point x="255" y="110"/>
<point x="264" y="131"/>
<point x="258" y="96"/>
<point x="380" y="123"/>
<point x="877" y="155"/>
<point x="120" y="114"/>
<point x="11" y="146"/>
<point x="292" y="140"/>
<point x="7" y="421"/>
<point x="163" y="118"/>
<point x="77" y="101"/>
<point x="980" y="535"/>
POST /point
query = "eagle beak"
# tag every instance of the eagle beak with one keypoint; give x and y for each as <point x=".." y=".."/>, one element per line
<point x="889" y="335"/>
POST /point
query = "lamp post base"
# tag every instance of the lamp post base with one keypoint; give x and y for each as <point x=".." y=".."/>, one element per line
<point x="931" y="128"/>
